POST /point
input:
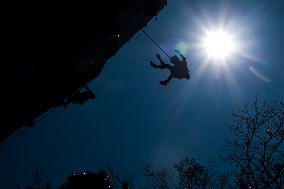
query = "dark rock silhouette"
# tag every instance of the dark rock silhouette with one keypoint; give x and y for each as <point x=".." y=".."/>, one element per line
<point x="36" y="75"/>
<point x="80" y="97"/>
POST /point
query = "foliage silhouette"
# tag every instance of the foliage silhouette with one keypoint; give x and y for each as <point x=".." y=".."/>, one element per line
<point x="160" y="177"/>
<point x="37" y="182"/>
<point x="257" y="147"/>
<point x="120" y="179"/>
<point x="88" y="180"/>
<point x="192" y="174"/>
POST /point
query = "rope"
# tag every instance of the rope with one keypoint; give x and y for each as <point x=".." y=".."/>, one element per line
<point x="155" y="42"/>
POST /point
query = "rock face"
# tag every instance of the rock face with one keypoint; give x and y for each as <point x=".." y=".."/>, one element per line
<point x="36" y="78"/>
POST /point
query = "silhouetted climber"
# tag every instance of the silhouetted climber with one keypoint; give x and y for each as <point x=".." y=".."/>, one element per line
<point x="80" y="97"/>
<point x="179" y="70"/>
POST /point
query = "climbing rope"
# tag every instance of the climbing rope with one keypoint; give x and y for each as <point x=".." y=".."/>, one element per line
<point x="154" y="42"/>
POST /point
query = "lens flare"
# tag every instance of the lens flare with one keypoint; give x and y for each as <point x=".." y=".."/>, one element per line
<point x="219" y="44"/>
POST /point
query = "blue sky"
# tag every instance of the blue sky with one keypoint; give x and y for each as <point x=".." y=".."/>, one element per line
<point x="135" y="120"/>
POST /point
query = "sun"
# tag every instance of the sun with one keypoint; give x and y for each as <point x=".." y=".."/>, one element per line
<point x="218" y="44"/>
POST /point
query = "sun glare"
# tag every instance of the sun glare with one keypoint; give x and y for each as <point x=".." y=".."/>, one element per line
<point x="218" y="44"/>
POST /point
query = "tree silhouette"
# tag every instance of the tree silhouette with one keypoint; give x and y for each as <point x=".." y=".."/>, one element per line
<point x="256" y="144"/>
<point x="160" y="177"/>
<point x="88" y="180"/>
<point x="120" y="179"/>
<point x="255" y="147"/>
<point x="37" y="182"/>
<point x="192" y="174"/>
<point x="187" y="173"/>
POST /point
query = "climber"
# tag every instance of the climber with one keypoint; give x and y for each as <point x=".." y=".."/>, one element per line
<point x="179" y="69"/>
